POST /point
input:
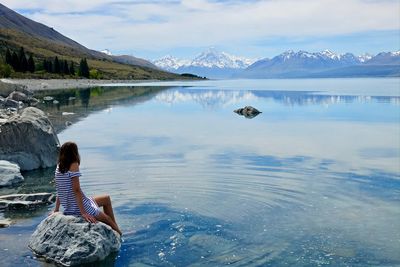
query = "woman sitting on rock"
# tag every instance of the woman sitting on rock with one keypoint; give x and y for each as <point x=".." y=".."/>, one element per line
<point x="70" y="195"/>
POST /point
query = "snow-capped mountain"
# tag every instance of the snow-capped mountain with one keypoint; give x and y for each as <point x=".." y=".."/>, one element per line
<point x="170" y="63"/>
<point x="324" y="64"/>
<point x="215" y="64"/>
<point x="107" y="52"/>
<point x="212" y="58"/>
<point x="210" y="63"/>
<point x="325" y="57"/>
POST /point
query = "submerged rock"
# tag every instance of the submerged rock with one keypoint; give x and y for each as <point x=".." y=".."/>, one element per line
<point x="28" y="139"/>
<point x="10" y="174"/>
<point x="70" y="240"/>
<point x="248" y="112"/>
<point x="5" y="223"/>
<point x="26" y="201"/>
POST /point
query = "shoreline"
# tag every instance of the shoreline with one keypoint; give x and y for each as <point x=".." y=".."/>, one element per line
<point x="55" y="84"/>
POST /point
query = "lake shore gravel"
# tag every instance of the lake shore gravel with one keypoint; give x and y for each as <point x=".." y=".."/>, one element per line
<point x="54" y="84"/>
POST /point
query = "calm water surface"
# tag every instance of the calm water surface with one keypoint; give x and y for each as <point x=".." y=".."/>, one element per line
<point x="314" y="180"/>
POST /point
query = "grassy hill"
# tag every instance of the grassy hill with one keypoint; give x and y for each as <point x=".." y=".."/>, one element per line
<point x="43" y="42"/>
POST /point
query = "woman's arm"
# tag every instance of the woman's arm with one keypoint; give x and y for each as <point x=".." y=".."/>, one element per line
<point x="57" y="208"/>
<point x="78" y="194"/>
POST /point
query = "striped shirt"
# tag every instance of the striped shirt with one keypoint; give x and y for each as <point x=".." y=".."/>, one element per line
<point x="66" y="195"/>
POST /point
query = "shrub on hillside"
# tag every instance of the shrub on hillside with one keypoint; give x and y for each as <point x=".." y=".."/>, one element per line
<point x="5" y="70"/>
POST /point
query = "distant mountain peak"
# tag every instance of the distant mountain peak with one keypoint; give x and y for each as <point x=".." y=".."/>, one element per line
<point x="209" y="58"/>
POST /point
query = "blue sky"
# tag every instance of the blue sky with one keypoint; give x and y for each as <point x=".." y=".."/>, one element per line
<point x="254" y="29"/>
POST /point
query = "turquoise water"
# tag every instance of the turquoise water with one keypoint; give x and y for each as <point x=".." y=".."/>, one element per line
<point x="314" y="180"/>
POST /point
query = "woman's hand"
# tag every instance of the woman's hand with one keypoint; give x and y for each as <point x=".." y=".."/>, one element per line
<point x="52" y="212"/>
<point x="89" y="218"/>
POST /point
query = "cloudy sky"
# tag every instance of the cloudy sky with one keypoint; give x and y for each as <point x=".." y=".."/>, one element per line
<point x="254" y="29"/>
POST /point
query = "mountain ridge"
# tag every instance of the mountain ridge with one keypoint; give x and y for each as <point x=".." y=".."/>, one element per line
<point x="292" y="64"/>
<point x="43" y="42"/>
<point x="287" y="64"/>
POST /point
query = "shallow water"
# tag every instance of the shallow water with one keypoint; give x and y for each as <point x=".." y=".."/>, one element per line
<point x="313" y="180"/>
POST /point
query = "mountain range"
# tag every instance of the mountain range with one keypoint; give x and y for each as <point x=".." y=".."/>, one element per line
<point x="210" y="63"/>
<point x="44" y="42"/>
<point x="215" y="64"/>
<point x="303" y="64"/>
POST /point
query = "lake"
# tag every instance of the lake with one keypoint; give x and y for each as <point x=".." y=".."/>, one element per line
<point x="313" y="180"/>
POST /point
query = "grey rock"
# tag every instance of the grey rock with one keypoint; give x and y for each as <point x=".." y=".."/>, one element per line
<point x="2" y="102"/>
<point x="7" y="88"/>
<point x="10" y="174"/>
<point x="26" y="201"/>
<point x="28" y="139"/>
<point x="5" y="223"/>
<point x="33" y="101"/>
<point x="18" y="96"/>
<point x="70" y="240"/>
<point x="48" y="98"/>
<point x="248" y="111"/>
<point x="9" y="103"/>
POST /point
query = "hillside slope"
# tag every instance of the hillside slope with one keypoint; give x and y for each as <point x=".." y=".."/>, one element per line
<point x="44" y="42"/>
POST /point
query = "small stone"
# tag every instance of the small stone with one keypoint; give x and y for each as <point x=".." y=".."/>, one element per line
<point x="248" y="111"/>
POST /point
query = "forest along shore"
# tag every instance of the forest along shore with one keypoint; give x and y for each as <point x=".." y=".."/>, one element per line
<point x="54" y="84"/>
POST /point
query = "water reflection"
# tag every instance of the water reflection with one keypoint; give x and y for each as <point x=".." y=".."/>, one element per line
<point x="220" y="98"/>
<point x="313" y="181"/>
<point x="71" y="105"/>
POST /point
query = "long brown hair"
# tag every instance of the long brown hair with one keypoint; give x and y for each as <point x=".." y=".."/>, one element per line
<point x="68" y="155"/>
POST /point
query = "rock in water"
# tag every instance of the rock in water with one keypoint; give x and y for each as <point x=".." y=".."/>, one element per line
<point x="28" y="139"/>
<point x="10" y="174"/>
<point x="248" y="111"/>
<point x="26" y="201"/>
<point x="70" y="240"/>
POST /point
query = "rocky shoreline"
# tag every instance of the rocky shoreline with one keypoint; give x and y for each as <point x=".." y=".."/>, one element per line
<point x="54" y="84"/>
<point x="27" y="142"/>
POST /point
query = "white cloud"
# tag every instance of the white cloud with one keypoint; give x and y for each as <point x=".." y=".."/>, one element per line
<point x="155" y="25"/>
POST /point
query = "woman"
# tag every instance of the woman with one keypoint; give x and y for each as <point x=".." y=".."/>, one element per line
<point x="70" y="195"/>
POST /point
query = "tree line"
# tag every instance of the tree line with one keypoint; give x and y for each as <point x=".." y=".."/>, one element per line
<point x="20" y="63"/>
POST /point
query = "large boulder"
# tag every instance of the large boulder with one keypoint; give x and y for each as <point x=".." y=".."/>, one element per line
<point x="70" y="240"/>
<point x="28" y="139"/>
<point x="10" y="174"/>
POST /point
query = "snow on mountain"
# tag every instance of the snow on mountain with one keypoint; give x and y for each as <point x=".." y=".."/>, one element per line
<point x="107" y="52"/>
<point x="170" y="63"/>
<point x="211" y="58"/>
<point x="364" y="57"/>
<point x="330" y="54"/>
<point x="326" y="55"/>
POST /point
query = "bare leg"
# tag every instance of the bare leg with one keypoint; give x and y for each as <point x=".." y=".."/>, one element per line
<point x="105" y="202"/>
<point x="107" y="220"/>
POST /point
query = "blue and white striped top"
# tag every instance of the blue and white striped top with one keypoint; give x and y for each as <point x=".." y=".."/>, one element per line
<point x="66" y="195"/>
